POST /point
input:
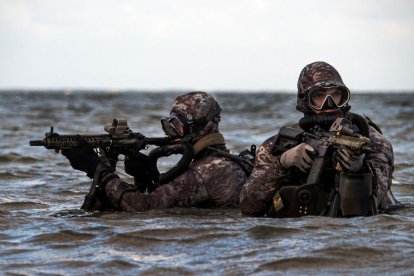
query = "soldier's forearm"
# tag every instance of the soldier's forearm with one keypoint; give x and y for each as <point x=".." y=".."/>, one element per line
<point x="126" y="198"/>
<point x="257" y="193"/>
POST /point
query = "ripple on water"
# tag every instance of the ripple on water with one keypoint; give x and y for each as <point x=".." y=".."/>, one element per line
<point x="15" y="157"/>
<point x="74" y="213"/>
<point x="69" y="237"/>
<point x="49" y="268"/>
<point x="167" y="271"/>
<point x="148" y="237"/>
<point x="22" y="205"/>
<point x="298" y="263"/>
<point x="352" y="251"/>
<point x="270" y="231"/>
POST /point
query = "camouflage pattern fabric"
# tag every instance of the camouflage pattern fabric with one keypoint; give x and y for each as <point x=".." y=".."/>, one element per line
<point x="210" y="181"/>
<point x="195" y="106"/>
<point x="202" y="109"/>
<point x="257" y="193"/>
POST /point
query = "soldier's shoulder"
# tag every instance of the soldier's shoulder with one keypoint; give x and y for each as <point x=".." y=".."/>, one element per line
<point x="372" y="124"/>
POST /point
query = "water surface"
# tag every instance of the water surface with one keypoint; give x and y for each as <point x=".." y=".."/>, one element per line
<point x="44" y="232"/>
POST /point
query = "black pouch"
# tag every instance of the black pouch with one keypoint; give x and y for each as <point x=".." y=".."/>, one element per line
<point x="297" y="201"/>
<point x="355" y="193"/>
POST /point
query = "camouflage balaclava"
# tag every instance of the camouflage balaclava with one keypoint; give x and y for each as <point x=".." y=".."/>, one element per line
<point x="200" y="111"/>
<point x="317" y="75"/>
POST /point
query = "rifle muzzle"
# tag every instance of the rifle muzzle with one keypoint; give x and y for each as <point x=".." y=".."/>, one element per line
<point x="35" y="143"/>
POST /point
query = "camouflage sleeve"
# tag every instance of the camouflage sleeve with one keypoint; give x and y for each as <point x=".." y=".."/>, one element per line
<point x="380" y="163"/>
<point x="182" y="191"/>
<point x="256" y="194"/>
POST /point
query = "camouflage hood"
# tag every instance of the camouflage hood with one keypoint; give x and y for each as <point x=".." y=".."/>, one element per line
<point x="317" y="75"/>
<point x="200" y="110"/>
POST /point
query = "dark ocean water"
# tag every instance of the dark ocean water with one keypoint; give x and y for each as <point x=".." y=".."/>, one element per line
<point x="44" y="232"/>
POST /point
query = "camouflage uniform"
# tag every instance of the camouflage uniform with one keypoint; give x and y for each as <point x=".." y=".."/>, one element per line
<point x="269" y="175"/>
<point x="210" y="181"/>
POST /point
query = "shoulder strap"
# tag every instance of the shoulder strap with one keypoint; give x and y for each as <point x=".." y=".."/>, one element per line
<point x="208" y="140"/>
<point x="245" y="164"/>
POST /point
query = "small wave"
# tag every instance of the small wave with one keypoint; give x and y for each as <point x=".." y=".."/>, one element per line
<point x="166" y="271"/>
<point x="344" y="251"/>
<point x="182" y="235"/>
<point x="296" y="263"/>
<point x="120" y="264"/>
<point x="270" y="231"/>
<point x="25" y="177"/>
<point x="74" y="213"/>
<point x="403" y="166"/>
<point x="22" y="205"/>
<point x="15" y="157"/>
<point x="16" y="251"/>
<point x="64" y="236"/>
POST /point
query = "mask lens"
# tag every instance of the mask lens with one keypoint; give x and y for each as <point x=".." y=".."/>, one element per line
<point x="177" y="126"/>
<point x="172" y="126"/>
<point x="318" y="98"/>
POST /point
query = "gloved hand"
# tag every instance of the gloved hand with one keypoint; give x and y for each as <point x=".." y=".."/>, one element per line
<point x="112" y="158"/>
<point x="83" y="158"/>
<point x="298" y="156"/>
<point x="350" y="160"/>
<point x="138" y="166"/>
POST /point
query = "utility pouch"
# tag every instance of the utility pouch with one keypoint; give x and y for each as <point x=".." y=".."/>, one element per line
<point x="355" y="193"/>
<point x="287" y="138"/>
<point x="297" y="201"/>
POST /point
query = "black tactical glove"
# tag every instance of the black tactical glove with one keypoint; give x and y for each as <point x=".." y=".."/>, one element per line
<point x="351" y="160"/>
<point x="112" y="157"/>
<point x="83" y="158"/>
<point x="138" y="166"/>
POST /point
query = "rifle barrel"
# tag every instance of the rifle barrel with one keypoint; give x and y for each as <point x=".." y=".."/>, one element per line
<point x="35" y="143"/>
<point x="157" y="141"/>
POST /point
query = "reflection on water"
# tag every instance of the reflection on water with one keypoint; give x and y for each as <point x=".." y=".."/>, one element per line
<point x="44" y="232"/>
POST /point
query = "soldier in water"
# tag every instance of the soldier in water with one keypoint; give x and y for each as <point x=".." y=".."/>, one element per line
<point x="273" y="188"/>
<point x="211" y="179"/>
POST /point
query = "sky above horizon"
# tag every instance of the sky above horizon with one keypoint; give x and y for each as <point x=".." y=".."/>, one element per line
<point x="204" y="45"/>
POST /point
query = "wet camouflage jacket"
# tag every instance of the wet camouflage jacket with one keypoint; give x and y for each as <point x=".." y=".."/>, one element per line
<point x="210" y="181"/>
<point x="269" y="176"/>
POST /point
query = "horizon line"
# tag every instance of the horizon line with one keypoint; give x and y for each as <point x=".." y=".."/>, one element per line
<point x="179" y="90"/>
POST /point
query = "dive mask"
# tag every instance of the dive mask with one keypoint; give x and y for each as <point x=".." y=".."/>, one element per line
<point x="173" y="126"/>
<point x="320" y="99"/>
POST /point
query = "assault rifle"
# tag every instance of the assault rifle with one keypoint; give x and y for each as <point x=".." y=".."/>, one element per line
<point x="120" y="139"/>
<point x="302" y="200"/>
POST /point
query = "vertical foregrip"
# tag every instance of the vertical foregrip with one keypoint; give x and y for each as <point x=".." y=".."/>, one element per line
<point x="318" y="164"/>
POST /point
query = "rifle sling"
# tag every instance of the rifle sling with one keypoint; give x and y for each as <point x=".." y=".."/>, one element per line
<point x="209" y="140"/>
